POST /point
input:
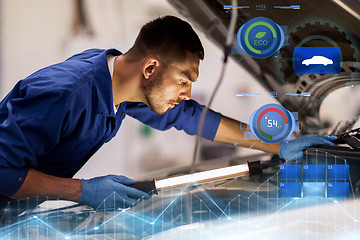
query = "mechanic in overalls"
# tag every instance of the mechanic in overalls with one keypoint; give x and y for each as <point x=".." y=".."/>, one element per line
<point x="54" y="120"/>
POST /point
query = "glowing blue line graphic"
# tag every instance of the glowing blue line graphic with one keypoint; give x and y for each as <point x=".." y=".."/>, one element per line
<point x="236" y="7"/>
<point x="217" y="206"/>
<point x="164" y="210"/>
<point x="173" y="214"/>
<point x="346" y="212"/>
<point x="288" y="7"/>
<point x="241" y="94"/>
<point x="47" y="225"/>
<point x="141" y="219"/>
<point x="286" y="205"/>
<point x="305" y="94"/>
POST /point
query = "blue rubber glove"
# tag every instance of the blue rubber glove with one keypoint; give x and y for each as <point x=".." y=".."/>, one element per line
<point x="292" y="149"/>
<point x="110" y="192"/>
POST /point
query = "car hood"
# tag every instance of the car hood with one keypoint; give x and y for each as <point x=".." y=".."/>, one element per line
<point x="336" y="22"/>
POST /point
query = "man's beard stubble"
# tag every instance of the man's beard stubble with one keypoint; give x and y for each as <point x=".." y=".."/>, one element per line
<point x="153" y="93"/>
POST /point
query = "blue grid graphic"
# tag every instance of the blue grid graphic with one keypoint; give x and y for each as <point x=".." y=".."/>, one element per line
<point x="312" y="180"/>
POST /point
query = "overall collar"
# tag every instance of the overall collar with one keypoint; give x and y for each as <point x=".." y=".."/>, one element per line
<point x="104" y="83"/>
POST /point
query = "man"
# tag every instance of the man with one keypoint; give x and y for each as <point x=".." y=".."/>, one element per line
<point x="53" y="121"/>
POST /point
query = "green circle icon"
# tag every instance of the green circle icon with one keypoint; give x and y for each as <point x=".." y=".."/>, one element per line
<point x="260" y="37"/>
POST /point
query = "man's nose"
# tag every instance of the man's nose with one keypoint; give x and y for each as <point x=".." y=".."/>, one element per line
<point x="186" y="93"/>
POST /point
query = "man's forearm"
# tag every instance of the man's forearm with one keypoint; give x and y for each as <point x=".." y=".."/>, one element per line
<point x="38" y="184"/>
<point x="229" y="131"/>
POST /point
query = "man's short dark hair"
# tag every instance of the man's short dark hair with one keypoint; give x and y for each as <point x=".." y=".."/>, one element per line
<point x="168" y="37"/>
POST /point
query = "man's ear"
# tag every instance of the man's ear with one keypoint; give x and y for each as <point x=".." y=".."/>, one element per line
<point x="151" y="65"/>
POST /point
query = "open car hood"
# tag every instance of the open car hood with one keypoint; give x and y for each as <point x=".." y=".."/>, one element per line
<point x="320" y="23"/>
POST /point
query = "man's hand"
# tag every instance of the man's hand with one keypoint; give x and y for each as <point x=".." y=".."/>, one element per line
<point x="292" y="149"/>
<point x="90" y="192"/>
<point x="110" y="192"/>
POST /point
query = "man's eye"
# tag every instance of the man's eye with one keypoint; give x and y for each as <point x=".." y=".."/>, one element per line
<point x="182" y="81"/>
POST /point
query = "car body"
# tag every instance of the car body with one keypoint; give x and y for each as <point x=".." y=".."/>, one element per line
<point x="317" y="60"/>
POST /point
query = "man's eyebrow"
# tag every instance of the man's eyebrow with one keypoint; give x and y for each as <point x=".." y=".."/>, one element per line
<point x="188" y="75"/>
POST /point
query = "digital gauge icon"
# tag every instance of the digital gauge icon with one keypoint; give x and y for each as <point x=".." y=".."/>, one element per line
<point x="260" y="37"/>
<point x="272" y="123"/>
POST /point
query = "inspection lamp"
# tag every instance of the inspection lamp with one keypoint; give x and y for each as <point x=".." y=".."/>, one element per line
<point x="154" y="186"/>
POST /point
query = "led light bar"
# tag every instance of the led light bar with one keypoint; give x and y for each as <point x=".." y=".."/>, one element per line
<point x="201" y="177"/>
